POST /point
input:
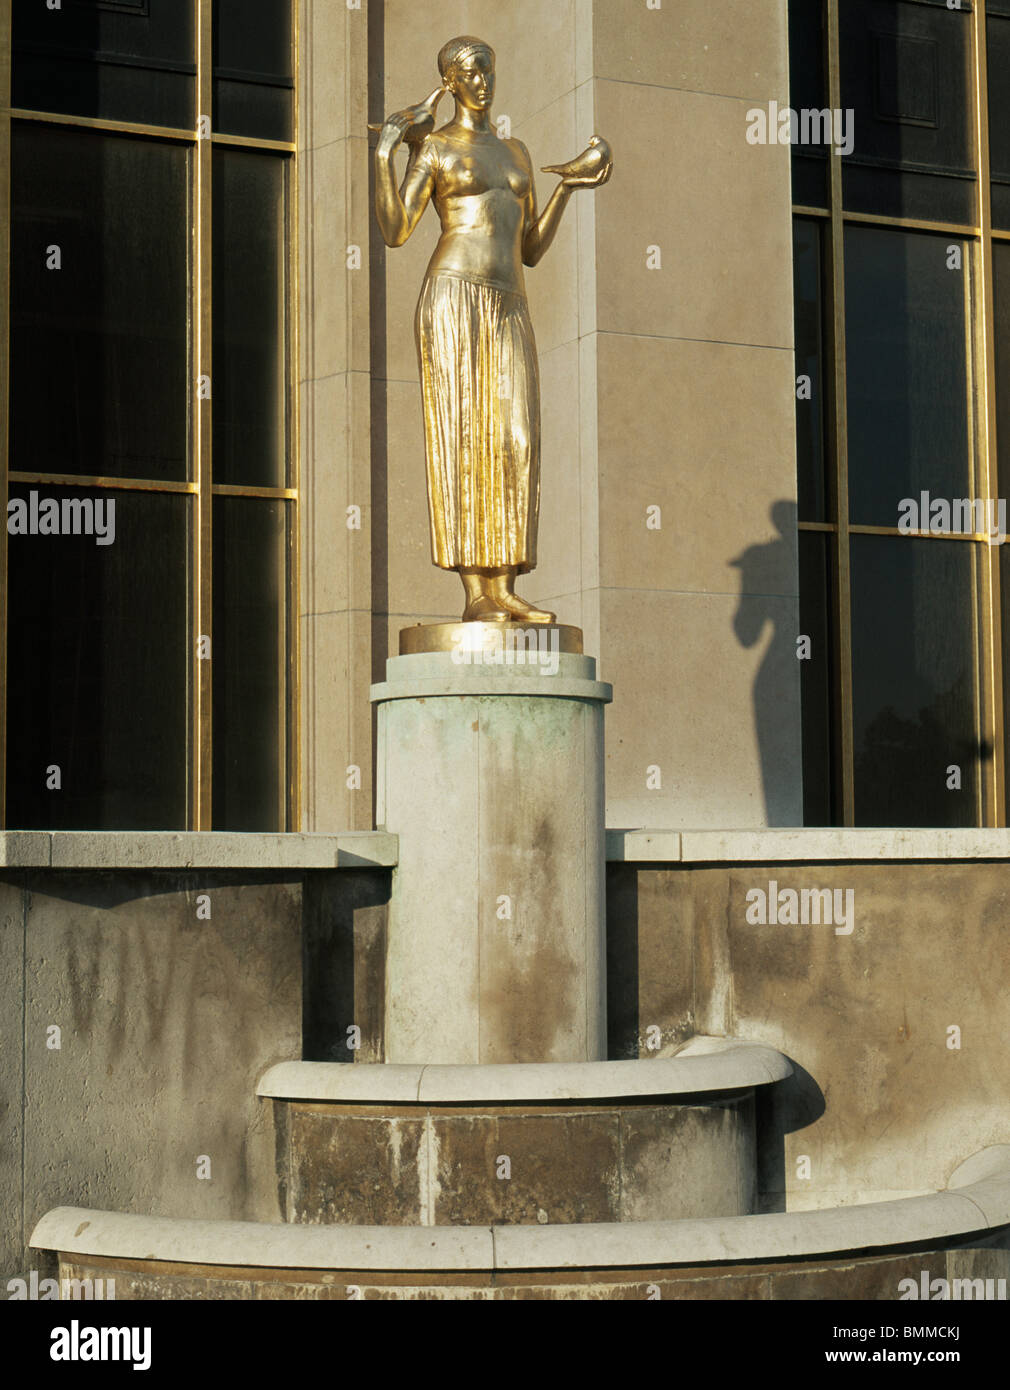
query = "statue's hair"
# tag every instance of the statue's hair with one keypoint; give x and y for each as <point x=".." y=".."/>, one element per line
<point x="458" y="49"/>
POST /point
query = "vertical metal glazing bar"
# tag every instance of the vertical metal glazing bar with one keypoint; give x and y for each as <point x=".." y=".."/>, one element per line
<point x="292" y="685"/>
<point x="5" y="236"/>
<point x="993" y="778"/>
<point x="203" y="437"/>
<point x="843" y="586"/>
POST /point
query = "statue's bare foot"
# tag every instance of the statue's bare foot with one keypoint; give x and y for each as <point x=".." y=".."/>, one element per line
<point x="522" y="612"/>
<point x="486" y="609"/>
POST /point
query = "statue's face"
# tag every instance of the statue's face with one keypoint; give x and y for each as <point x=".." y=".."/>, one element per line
<point x="473" y="81"/>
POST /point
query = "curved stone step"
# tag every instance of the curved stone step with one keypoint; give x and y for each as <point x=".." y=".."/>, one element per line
<point x="161" y="1257"/>
<point x="704" y="1065"/>
<point x="524" y="1143"/>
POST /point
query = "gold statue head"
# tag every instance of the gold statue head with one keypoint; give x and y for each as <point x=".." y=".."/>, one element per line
<point x="467" y="68"/>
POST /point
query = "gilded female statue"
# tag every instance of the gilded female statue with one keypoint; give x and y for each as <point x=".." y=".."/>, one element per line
<point x="477" y="353"/>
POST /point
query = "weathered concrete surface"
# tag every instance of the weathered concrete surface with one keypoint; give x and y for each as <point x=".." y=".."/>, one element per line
<point x="860" y="1279"/>
<point x="424" y="1165"/>
<point x="168" y="1018"/>
<point x="13" y="1235"/>
<point x="881" y="1103"/>
<point x="165" y="1019"/>
<point x="495" y="946"/>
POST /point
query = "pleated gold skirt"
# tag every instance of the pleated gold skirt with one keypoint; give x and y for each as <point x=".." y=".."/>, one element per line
<point x="481" y="393"/>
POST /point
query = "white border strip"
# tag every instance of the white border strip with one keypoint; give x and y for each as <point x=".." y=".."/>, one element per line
<point x="812" y="846"/>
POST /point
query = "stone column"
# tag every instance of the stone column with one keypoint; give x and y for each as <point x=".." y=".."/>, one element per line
<point x="335" y="444"/>
<point x="492" y="776"/>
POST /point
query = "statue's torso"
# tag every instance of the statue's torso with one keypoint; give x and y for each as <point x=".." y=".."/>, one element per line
<point x="481" y="189"/>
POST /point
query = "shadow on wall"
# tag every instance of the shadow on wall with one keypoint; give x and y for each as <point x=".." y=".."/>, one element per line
<point x="344" y="965"/>
<point x="761" y="570"/>
<point x="623" y="1024"/>
<point x="782" y="1109"/>
<point x="111" y="888"/>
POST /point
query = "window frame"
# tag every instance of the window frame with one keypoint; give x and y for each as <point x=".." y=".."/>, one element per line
<point x="979" y="235"/>
<point x="199" y="486"/>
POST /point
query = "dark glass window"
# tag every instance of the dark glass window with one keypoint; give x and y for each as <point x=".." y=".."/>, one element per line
<point x="249" y="318"/>
<point x="104" y="333"/>
<point x="913" y="410"/>
<point x="249" y="654"/>
<point x="124" y="60"/>
<point x="99" y="345"/>
<point x="816" y="677"/>
<point x="1001" y="270"/>
<point x="998" y="51"/>
<point x="908" y="350"/>
<point x="914" y="681"/>
<point x="97" y="663"/>
<point x="906" y="73"/>
<point x="808" y="302"/>
<point x="253" y="79"/>
<point x="808" y="90"/>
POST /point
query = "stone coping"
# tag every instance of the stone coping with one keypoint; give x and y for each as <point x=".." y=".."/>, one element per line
<point x="808" y="846"/>
<point x="527" y="665"/>
<point x="982" y="1202"/>
<point x="477" y="682"/>
<point x="213" y="849"/>
<point x="210" y="849"/>
<point x="704" y="1065"/>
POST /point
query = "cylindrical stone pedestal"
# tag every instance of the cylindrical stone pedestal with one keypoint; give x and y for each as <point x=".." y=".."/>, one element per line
<point x="492" y="777"/>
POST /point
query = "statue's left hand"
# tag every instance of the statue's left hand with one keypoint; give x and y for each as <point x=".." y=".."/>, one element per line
<point x="591" y="169"/>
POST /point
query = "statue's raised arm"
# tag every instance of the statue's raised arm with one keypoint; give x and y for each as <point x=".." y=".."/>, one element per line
<point x="399" y="211"/>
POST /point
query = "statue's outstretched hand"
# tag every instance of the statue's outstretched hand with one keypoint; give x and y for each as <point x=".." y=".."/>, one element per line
<point x="591" y="169"/>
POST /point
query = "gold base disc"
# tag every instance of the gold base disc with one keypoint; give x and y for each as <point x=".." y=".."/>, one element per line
<point x="450" y="637"/>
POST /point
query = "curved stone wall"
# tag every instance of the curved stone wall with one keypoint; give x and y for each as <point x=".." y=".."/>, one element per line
<point x="516" y="1164"/>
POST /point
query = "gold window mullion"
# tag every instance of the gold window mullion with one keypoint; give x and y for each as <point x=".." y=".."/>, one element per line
<point x="201" y="809"/>
<point x="992" y="778"/>
<point x="843" y="583"/>
<point x="291" y="706"/>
